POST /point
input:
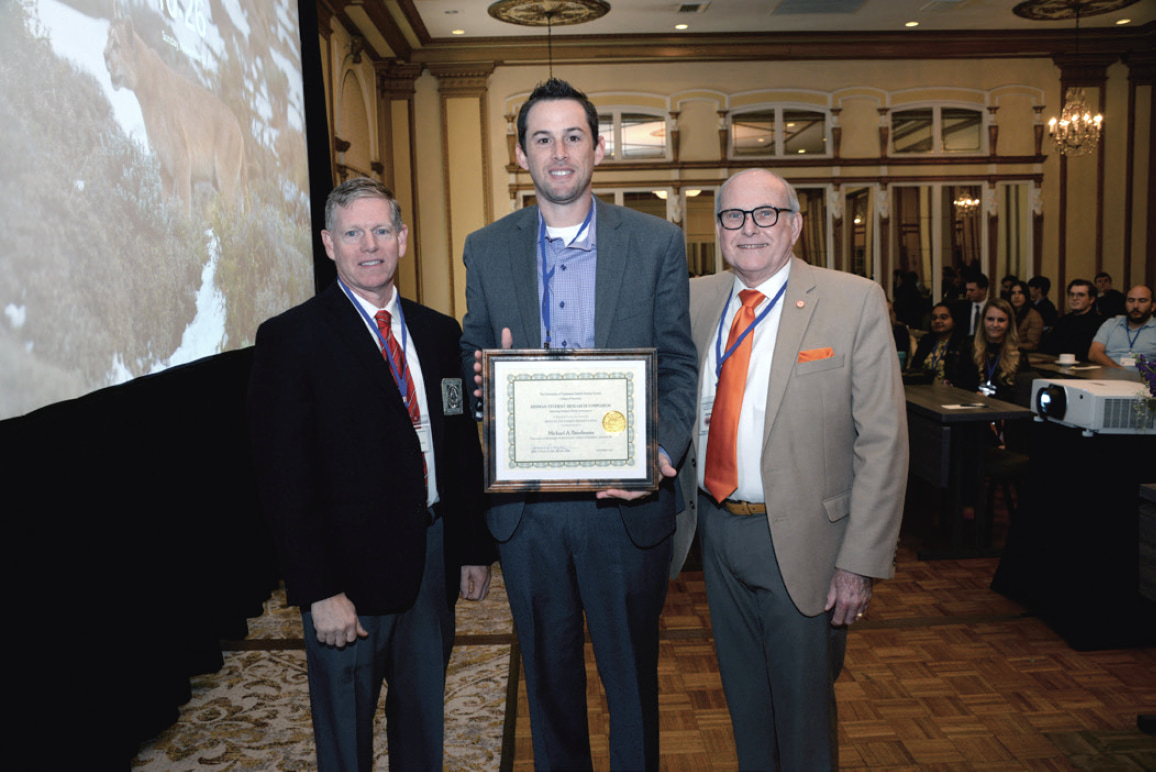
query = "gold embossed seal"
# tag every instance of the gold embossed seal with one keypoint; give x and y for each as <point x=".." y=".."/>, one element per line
<point x="613" y="422"/>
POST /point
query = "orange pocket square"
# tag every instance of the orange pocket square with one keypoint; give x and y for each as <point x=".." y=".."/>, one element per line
<point x="811" y="354"/>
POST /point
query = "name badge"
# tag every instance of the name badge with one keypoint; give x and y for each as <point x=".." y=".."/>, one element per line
<point x="704" y="411"/>
<point x="424" y="436"/>
<point x="1128" y="360"/>
<point x="452" y="401"/>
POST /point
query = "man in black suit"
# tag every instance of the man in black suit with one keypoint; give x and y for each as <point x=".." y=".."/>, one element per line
<point x="966" y="312"/>
<point x="1039" y="287"/>
<point x="370" y="472"/>
<point x="1109" y="302"/>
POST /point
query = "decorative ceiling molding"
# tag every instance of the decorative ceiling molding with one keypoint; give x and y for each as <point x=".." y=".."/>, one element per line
<point x="396" y="81"/>
<point x="796" y="46"/>
<point x="1066" y="10"/>
<point x="548" y="13"/>
<point x="465" y="79"/>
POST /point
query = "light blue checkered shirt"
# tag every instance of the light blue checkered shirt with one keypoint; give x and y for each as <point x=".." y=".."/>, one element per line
<point x="572" y="289"/>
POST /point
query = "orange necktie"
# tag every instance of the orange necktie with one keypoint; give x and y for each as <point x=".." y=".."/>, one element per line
<point x="722" y="472"/>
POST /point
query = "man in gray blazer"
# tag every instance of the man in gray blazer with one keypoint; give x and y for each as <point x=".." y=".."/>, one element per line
<point x="573" y="272"/>
<point x="799" y="467"/>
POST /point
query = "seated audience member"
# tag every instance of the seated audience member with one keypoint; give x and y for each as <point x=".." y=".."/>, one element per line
<point x="1073" y="332"/>
<point x="1005" y="285"/>
<point x="936" y="348"/>
<point x="952" y="283"/>
<point x="966" y="312"/>
<point x="1122" y="339"/>
<point x="910" y="305"/>
<point x="901" y="333"/>
<point x="1039" y="287"/>
<point x="1109" y="302"/>
<point x="989" y="361"/>
<point x="1029" y="323"/>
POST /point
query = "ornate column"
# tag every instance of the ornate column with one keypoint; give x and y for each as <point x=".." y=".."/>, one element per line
<point x="991" y="207"/>
<point x="884" y="130"/>
<point x="992" y="132"/>
<point x="1084" y="71"/>
<point x="466" y="163"/>
<point x="723" y="134"/>
<point x="511" y="138"/>
<point x="1036" y="201"/>
<point x="835" y="206"/>
<point x="1038" y="127"/>
<point x="396" y="121"/>
<point x="836" y="132"/>
<point x="1141" y="74"/>
<point x="883" y="209"/>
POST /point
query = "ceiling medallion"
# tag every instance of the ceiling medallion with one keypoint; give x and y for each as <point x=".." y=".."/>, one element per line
<point x="1061" y="10"/>
<point x="548" y="13"/>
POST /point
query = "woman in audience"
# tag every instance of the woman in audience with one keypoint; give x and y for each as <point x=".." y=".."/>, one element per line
<point x="1028" y="321"/>
<point x="989" y="362"/>
<point x="936" y="347"/>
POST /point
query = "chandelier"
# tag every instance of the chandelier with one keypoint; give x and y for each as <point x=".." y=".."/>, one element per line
<point x="1076" y="131"/>
<point x="965" y="205"/>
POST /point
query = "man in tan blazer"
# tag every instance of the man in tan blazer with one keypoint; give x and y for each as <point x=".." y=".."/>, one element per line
<point x="799" y="502"/>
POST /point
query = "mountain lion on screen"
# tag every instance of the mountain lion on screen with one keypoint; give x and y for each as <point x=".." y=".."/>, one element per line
<point x="194" y="135"/>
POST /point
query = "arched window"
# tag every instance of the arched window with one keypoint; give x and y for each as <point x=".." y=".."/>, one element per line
<point x="937" y="129"/>
<point x="631" y="135"/>
<point x="778" y="132"/>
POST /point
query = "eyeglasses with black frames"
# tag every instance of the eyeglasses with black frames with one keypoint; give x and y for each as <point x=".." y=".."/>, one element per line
<point x="764" y="217"/>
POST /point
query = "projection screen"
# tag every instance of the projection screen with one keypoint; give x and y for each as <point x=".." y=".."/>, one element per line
<point x="154" y="189"/>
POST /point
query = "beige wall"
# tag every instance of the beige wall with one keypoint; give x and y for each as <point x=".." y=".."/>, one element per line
<point x="462" y="183"/>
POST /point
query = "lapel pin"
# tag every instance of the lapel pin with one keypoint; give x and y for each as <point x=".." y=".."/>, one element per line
<point x="799" y="304"/>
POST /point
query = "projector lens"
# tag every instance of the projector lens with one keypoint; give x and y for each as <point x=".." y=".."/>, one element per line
<point x="1052" y="402"/>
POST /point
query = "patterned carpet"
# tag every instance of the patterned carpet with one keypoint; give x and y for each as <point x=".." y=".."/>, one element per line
<point x="254" y="712"/>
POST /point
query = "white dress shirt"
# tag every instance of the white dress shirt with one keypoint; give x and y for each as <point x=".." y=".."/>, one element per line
<point x="414" y="363"/>
<point x="754" y="409"/>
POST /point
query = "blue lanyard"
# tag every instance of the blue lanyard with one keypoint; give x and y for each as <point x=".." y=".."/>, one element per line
<point x="1128" y="333"/>
<point x="991" y="368"/>
<point x="400" y="374"/>
<point x="720" y="357"/>
<point x="548" y="278"/>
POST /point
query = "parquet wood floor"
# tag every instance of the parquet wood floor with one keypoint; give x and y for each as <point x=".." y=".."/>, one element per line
<point x="943" y="674"/>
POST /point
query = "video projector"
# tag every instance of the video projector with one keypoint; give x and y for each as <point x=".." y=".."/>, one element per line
<point x="1097" y="407"/>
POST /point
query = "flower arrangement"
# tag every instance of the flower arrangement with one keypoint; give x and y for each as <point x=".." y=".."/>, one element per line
<point x="1146" y="398"/>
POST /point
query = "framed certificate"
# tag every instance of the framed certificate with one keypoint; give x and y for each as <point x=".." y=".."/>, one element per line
<point x="570" y="420"/>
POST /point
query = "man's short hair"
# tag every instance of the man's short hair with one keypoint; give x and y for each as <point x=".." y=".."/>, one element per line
<point x="1104" y="275"/>
<point x="1042" y="283"/>
<point x="979" y="280"/>
<point x="554" y="90"/>
<point x="359" y="187"/>
<point x="1011" y="278"/>
<point x="792" y="196"/>
<point x="1082" y="283"/>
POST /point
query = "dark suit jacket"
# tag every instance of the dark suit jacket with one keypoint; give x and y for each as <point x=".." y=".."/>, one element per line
<point x="1048" y="311"/>
<point x="640" y="301"/>
<point x="1073" y="334"/>
<point x="961" y="315"/>
<point x="339" y="464"/>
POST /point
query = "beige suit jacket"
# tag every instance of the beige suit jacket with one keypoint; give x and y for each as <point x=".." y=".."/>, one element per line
<point x="834" y="458"/>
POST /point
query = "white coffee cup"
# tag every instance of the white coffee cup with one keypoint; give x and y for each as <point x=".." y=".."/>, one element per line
<point x="1067" y="359"/>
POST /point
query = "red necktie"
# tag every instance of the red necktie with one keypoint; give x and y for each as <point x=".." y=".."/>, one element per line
<point x="384" y="323"/>
<point x="722" y="472"/>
